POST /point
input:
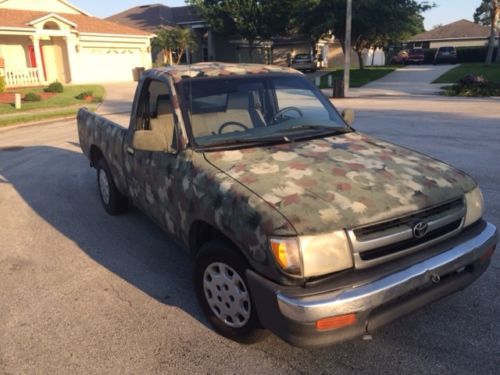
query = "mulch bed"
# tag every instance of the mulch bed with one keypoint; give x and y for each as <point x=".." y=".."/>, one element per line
<point x="9" y="97"/>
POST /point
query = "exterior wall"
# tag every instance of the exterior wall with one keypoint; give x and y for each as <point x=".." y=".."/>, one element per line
<point x="49" y="6"/>
<point x="460" y="43"/>
<point x="14" y="50"/>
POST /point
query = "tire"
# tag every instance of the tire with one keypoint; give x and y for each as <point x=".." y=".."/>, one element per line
<point x="113" y="201"/>
<point x="218" y="298"/>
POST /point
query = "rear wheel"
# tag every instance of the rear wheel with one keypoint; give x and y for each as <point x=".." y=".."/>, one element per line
<point x="113" y="201"/>
<point x="222" y="291"/>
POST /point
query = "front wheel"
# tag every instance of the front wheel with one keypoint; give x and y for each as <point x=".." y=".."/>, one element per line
<point x="222" y="291"/>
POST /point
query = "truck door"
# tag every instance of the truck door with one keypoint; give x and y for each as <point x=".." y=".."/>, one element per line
<point x="152" y="175"/>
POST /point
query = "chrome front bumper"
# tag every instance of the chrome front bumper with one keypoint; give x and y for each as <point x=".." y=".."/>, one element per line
<point x="369" y="296"/>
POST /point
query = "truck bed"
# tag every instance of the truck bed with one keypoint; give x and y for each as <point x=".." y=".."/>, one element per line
<point x="100" y="136"/>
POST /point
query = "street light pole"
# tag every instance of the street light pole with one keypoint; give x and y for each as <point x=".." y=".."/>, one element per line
<point x="347" y="48"/>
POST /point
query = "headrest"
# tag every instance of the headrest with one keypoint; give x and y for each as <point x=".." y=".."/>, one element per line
<point x="237" y="100"/>
<point x="163" y="105"/>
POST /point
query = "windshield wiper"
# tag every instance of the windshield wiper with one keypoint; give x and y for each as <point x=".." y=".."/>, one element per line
<point x="314" y="127"/>
<point x="247" y="141"/>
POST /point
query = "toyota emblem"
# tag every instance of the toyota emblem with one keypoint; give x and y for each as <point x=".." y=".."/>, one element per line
<point x="420" y="229"/>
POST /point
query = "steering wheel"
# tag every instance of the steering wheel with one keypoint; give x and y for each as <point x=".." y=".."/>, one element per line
<point x="281" y="112"/>
<point x="229" y="123"/>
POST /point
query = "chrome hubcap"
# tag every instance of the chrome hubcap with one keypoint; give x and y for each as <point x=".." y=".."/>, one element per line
<point x="226" y="294"/>
<point x="104" y="185"/>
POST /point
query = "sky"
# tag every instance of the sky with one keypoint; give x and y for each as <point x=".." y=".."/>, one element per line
<point x="446" y="11"/>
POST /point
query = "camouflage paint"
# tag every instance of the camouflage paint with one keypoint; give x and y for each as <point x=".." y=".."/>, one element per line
<point x="343" y="181"/>
<point x="214" y="69"/>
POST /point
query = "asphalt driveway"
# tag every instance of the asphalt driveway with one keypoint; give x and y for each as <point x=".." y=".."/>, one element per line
<point x="83" y="292"/>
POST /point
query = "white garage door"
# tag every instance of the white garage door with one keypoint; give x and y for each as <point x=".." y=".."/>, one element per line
<point x="109" y="65"/>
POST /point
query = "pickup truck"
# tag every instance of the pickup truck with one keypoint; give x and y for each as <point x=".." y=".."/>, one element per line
<point x="296" y="223"/>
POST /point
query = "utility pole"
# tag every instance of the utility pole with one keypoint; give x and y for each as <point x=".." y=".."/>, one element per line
<point x="347" y="48"/>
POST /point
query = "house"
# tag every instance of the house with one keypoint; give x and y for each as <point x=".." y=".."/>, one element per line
<point x="151" y="18"/>
<point x="217" y="47"/>
<point x="461" y="33"/>
<point x="42" y="41"/>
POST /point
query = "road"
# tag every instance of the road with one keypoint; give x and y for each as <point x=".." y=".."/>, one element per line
<point x="83" y="292"/>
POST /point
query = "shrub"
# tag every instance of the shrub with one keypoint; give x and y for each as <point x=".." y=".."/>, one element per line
<point x="2" y="84"/>
<point x="32" y="97"/>
<point x="473" y="85"/>
<point x="55" y="87"/>
<point x="84" y="95"/>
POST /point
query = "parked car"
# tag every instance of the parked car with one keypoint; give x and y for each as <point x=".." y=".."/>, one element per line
<point x="296" y="222"/>
<point x="415" y="56"/>
<point x="412" y="56"/>
<point x="304" y="61"/>
<point x="445" y="55"/>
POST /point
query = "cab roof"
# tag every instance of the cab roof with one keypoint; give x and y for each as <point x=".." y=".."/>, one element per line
<point x="216" y="69"/>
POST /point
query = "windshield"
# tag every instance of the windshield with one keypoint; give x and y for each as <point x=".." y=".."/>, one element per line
<point x="239" y="110"/>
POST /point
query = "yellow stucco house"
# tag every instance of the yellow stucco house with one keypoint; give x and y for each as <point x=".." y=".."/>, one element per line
<point x="42" y="41"/>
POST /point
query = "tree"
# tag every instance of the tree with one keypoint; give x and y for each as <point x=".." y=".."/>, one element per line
<point x="165" y="43"/>
<point x="374" y="22"/>
<point x="174" y="39"/>
<point x="310" y="20"/>
<point x="488" y="14"/>
<point x="185" y="39"/>
<point x="252" y="20"/>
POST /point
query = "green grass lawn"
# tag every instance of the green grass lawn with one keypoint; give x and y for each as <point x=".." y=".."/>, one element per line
<point x="59" y="101"/>
<point x="490" y="72"/>
<point x="359" y="77"/>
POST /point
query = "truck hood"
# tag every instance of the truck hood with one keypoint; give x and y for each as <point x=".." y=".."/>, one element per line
<point x="343" y="181"/>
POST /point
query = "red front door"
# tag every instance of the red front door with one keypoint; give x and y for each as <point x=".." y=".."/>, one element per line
<point x="32" y="58"/>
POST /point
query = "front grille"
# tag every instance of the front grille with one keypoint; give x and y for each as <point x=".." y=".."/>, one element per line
<point x="374" y="244"/>
<point x="393" y="248"/>
<point x="368" y="232"/>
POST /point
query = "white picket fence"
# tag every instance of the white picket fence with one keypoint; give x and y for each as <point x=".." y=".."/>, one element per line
<point x="21" y="77"/>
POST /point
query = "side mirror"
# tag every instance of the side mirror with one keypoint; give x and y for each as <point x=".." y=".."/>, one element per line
<point x="348" y="116"/>
<point x="147" y="140"/>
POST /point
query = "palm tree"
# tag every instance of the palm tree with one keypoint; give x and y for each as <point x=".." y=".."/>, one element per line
<point x="176" y="39"/>
<point x="185" y="39"/>
<point x="165" y="41"/>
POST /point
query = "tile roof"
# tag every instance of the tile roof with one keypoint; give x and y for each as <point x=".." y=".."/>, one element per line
<point x="155" y="16"/>
<point x="85" y="24"/>
<point x="456" y="30"/>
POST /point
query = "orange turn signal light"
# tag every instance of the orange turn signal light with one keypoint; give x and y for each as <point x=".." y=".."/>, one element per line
<point x="335" y="322"/>
<point x="488" y="254"/>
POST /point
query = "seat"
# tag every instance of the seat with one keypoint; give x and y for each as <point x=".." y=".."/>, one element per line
<point x="236" y="110"/>
<point x="163" y="123"/>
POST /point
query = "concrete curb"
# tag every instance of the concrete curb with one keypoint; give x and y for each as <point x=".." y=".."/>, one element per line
<point x="35" y="123"/>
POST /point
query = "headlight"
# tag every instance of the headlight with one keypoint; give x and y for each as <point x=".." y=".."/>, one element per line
<point x="475" y="206"/>
<point x="313" y="255"/>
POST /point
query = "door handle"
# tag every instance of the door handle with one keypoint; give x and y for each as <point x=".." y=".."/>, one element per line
<point x="130" y="151"/>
